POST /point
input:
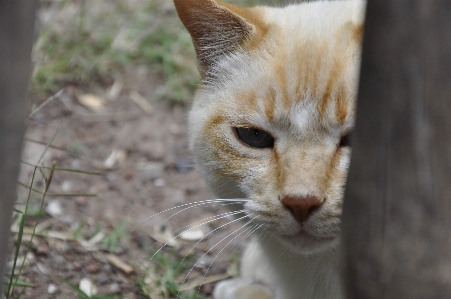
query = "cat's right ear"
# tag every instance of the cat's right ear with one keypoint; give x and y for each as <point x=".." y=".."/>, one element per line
<point x="216" y="28"/>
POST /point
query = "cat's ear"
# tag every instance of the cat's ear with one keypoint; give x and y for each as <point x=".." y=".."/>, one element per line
<point x="216" y="28"/>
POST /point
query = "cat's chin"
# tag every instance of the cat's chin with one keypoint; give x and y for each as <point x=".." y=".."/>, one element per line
<point x="305" y="243"/>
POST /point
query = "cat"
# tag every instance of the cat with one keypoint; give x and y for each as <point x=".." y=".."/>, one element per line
<point x="270" y="124"/>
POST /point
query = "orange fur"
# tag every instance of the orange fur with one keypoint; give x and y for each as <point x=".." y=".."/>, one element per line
<point x="290" y="73"/>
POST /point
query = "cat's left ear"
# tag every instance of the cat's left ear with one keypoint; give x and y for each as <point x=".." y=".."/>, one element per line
<point x="216" y="28"/>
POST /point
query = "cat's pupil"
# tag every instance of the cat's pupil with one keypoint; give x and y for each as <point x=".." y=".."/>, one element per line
<point x="255" y="137"/>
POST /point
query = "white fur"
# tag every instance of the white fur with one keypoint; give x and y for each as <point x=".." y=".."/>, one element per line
<point x="288" y="260"/>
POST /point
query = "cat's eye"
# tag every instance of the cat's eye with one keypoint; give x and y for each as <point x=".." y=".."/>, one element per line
<point x="255" y="137"/>
<point x="345" y="140"/>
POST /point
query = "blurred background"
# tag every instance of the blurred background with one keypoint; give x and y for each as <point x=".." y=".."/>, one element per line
<point x="106" y="151"/>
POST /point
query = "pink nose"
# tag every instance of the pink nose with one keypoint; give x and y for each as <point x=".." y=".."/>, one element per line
<point x="301" y="207"/>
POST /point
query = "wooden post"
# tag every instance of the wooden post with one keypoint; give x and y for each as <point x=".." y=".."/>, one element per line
<point x="16" y="40"/>
<point x="397" y="210"/>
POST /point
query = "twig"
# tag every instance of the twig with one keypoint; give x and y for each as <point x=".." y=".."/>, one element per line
<point x="58" y="194"/>
<point x="55" y="96"/>
<point x="120" y="264"/>
<point x="141" y="102"/>
<point x="50" y="234"/>
<point x="64" y="169"/>
<point x="53" y="146"/>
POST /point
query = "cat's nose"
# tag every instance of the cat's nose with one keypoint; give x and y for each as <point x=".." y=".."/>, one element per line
<point x="301" y="207"/>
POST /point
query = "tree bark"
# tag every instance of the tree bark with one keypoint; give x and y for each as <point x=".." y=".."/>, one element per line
<point x="397" y="210"/>
<point x="16" y="40"/>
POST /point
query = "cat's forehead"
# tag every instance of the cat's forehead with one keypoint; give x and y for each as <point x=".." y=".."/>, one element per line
<point x="301" y="73"/>
<point x="309" y="82"/>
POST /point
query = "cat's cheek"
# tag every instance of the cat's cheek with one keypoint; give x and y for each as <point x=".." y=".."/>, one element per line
<point x="272" y="214"/>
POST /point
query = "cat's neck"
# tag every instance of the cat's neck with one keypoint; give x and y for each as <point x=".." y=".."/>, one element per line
<point x="317" y="275"/>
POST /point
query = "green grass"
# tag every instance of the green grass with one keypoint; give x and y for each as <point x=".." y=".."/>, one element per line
<point x="163" y="276"/>
<point x="111" y="241"/>
<point x="92" y="43"/>
<point x="15" y="287"/>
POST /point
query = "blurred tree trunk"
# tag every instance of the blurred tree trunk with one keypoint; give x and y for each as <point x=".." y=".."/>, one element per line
<point x="397" y="211"/>
<point x="16" y="40"/>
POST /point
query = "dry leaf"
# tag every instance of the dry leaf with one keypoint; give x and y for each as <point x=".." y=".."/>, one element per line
<point x="87" y="286"/>
<point x="91" y="101"/>
<point x="116" y="157"/>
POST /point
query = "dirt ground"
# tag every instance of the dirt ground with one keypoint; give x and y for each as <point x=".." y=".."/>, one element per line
<point x="141" y="152"/>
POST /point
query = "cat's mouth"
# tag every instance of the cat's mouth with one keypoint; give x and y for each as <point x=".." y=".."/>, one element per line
<point x="302" y="234"/>
<point x="308" y="242"/>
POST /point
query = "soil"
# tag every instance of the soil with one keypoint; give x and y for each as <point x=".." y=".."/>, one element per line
<point x="153" y="171"/>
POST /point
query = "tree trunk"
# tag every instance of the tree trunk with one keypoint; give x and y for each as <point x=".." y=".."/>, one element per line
<point x="16" y="40"/>
<point x="397" y="211"/>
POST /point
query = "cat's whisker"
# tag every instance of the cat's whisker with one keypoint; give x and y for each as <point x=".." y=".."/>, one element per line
<point x="189" y="272"/>
<point x="273" y="122"/>
<point x="216" y="229"/>
<point x="250" y="230"/>
<point x="202" y="222"/>
<point x="188" y="206"/>
<point x="233" y="199"/>
<point x="225" y="205"/>
<point x="270" y="265"/>
<point x="265" y="232"/>
<point x="238" y="243"/>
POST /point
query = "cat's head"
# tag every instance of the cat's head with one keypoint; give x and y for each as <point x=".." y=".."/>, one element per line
<point x="271" y="118"/>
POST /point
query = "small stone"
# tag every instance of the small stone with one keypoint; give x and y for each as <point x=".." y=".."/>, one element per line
<point x="51" y="289"/>
<point x="81" y="201"/>
<point x="114" y="288"/>
<point x="67" y="186"/>
<point x="159" y="182"/>
<point x="54" y="208"/>
<point x="196" y="234"/>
